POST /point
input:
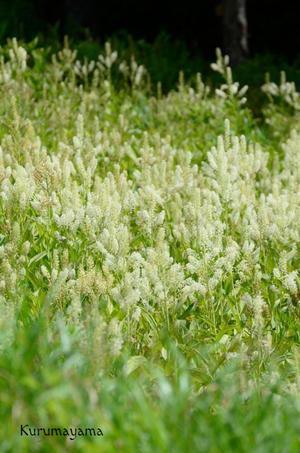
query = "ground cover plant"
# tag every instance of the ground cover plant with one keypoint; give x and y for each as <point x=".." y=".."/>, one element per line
<point x="149" y="256"/>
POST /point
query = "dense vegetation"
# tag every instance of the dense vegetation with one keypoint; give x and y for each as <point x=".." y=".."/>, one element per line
<point x="148" y="253"/>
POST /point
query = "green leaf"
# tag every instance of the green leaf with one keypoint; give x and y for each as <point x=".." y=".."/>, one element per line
<point x="133" y="363"/>
<point x="37" y="257"/>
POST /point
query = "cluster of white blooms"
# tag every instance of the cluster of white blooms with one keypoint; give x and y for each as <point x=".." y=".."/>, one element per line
<point x="106" y="61"/>
<point x="15" y="66"/>
<point x="282" y="97"/>
<point x="133" y="72"/>
<point x="95" y="211"/>
<point x="229" y="89"/>
<point x="285" y="90"/>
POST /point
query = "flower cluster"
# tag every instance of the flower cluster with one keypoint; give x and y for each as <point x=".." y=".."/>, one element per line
<point x="118" y="213"/>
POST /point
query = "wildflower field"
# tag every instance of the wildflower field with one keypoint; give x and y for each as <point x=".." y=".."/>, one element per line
<point x="148" y="259"/>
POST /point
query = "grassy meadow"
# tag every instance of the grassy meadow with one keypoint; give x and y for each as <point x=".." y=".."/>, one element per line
<point x="149" y="255"/>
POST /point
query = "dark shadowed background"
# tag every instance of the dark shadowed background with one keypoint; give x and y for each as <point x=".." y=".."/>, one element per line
<point x="273" y="25"/>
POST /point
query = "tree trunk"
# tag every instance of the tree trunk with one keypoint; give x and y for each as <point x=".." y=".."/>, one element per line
<point x="235" y="30"/>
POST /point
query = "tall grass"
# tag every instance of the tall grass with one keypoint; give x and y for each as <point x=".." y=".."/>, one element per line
<point x="149" y="256"/>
